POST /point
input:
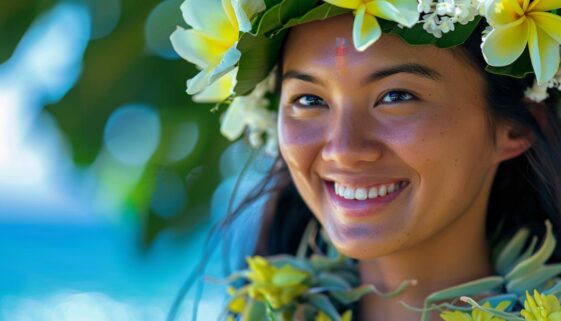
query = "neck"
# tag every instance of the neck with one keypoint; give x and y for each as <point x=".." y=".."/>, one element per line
<point x="457" y="254"/>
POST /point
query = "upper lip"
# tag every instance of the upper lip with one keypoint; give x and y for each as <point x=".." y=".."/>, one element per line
<point x="363" y="181"/>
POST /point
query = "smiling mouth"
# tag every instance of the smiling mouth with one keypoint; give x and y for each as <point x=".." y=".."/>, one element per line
<point x="362" y="201"/>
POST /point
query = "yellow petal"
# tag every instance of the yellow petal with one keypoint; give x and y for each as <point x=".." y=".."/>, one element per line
<point x="230" y="13"/>
<point x="197" y="47"/>
<point x="556" y="316"/>
<point x="219" y="90"/>
<point x="544" y="5"/>
<point x="347" y="316"/>
<point x="544" y="53"/>
<point x="207" y="15"/>
<point x="502" y="12"/>
<point x="549" y="23"/>
<point x="504" y="45"/>
<point x="366" y="29"/>
<point x="348" y="4"/>
<point x="401" y="11"/>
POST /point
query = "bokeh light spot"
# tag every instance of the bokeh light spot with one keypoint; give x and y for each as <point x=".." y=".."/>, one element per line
<point x="161" y="22"/>
<point x="105" y="16"/>
<point x="132" y="134"/>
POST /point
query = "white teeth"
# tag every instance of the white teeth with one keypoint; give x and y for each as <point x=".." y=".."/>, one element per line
<point x="362" y="193"/>
<point x="349" y="193"/>
<point x="382" y="190"/>
<point x="372" y="192"/>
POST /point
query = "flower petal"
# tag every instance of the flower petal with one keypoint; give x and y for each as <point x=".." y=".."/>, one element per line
<point x="503" y="46"/>
<point x="348" y="4"/>
<point x="233" y="123"/>
<point x="197" y="47"/>
<point x="230" y="13"/>
<point x="549" y="23"/>
<point x="401" y="11"/>
<point x="502" y="12"/>
<point x="219" y="90"/>
<point x="245" y="10"/>
<point x="544" y="5"/>
<point x="544" y="53"/>
<point x="196" y="84"/>
<point x="366" y="29"/>
<point x="229" y="60"/>
<point x="208" y="16"/>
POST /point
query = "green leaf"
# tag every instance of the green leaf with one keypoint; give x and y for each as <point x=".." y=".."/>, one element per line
<point x="281" y="13"/>
<point x="323" y="303"/>
<point x="353" y="295"/>
<point x="534" y="279"/>
<point x="253" y="311"/>
<point x="320" y="12"/>
<point x="419" y="36"/>
<point x="334" y="281"/>
<point x="511" y="251"/>
<point x="283" y="259"/>
<point x="303" y="246"/>
<point x="554" y="289"/>
<point x="518" y="69"/>
<point x="259" y="56"/>
<point x="469" y="288"/>
<point x="495" y="300"/>
<point x="322" y="263"/>
<point x="538" y="259"/>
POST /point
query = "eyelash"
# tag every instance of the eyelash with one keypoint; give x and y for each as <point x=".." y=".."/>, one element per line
<point x="402" y="94"/>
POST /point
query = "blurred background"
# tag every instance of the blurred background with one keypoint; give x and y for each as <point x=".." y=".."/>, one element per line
<point x="110" y="177"/>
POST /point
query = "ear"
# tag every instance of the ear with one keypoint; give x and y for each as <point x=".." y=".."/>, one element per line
<point x="512" y="140"/>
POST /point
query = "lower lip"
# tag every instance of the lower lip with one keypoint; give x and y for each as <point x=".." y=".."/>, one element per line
<point x="360" y="209"/>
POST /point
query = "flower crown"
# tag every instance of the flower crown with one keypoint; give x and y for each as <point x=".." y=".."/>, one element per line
<point x="236" y="45"/>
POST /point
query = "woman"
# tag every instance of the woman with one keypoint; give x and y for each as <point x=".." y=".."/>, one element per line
<point x="415" y="160"/>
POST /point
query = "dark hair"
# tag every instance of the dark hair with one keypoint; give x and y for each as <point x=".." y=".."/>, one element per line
<point x="526" y="190"/>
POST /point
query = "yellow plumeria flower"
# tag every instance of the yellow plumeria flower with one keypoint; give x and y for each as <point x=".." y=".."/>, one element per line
<point x="277" y="286"/>
<point x="211" y="43"/>
<point x="517" y="23"/>
<point x="541" y="307"/>
<point x="476" y="314"/>
<point x="347" y="316"/>
<point x="366" y="29"/>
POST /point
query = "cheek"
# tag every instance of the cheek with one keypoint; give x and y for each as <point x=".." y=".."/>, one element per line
<point x="300" y="144"/>
<point x="299" y="141"/>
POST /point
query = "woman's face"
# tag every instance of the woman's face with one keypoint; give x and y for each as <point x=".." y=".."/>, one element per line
<point x="389" y="146"/>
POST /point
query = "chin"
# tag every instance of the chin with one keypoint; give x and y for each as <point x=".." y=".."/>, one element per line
<point x="362" y="243"/>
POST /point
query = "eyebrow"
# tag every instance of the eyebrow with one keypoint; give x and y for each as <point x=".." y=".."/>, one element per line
<point x="411" y="68"/>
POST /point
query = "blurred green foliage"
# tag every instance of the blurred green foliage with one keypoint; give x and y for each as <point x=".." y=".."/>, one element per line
<point x="119" y="69"/>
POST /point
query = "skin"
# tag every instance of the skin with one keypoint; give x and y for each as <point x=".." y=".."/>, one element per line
<point x="433" y="133"/>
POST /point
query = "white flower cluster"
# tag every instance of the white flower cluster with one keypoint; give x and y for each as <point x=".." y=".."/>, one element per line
<point x="250" y="112"/>
<point x="538" y="93"/>
<point x="441" y="15"/>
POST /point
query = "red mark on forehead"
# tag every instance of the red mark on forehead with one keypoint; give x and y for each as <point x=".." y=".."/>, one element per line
<point x="341" y="47"/>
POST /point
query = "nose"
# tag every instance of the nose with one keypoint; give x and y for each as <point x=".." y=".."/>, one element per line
<point x="352" y="141"/>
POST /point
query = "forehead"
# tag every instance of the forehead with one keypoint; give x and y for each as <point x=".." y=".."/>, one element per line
<point x="318" y="44"/>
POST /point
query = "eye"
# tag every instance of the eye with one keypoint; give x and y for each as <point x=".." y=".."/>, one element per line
<point x="308" y="101"/>
<point x="396" y="96"/>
